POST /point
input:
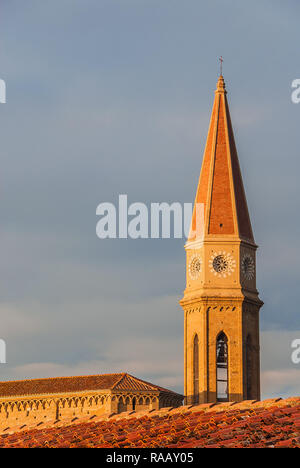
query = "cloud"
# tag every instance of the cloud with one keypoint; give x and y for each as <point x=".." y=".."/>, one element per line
<point x="281" y="383"/>
<point x="15" y="324"/>
<point x="162" y="364"/>
<point x="280" y="376"/>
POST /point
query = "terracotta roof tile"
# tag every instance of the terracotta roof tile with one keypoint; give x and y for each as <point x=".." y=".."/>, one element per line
<point x="252" y="427"/>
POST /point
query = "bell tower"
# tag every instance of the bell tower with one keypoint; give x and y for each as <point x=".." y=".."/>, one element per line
<point x="221" y="303"/>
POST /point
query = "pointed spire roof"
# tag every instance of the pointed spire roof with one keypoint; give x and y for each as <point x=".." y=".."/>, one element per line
<point x="220" y="187"/>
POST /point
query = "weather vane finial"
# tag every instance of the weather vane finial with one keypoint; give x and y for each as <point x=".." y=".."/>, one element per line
<point x="221" y="65"/>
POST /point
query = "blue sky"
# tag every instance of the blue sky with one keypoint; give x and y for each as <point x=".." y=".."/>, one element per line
<point x="114" y="96"/>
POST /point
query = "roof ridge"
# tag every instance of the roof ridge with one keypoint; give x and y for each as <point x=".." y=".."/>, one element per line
<point x="120" y="380"/>
<point x="151" y="384"/>
<point x="61" y="377"/>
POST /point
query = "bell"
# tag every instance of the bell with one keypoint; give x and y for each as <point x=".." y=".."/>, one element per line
<point x="222" y="355"/>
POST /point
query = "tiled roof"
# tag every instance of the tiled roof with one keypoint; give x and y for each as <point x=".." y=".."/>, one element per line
<point x="128" y="382"/>
<point x="272" y="423"/>
<point x="122" y="381"/>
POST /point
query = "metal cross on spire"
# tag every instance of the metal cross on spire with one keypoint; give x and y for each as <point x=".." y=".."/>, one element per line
<point x="221" y="64"/>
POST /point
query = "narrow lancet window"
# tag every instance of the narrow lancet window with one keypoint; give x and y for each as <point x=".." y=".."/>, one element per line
<point x="249" y="367"/>
<point x="222" y="367"/>
<point x="196" y="369"/>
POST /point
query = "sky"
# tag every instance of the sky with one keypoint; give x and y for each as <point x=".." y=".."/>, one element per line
<point x="109" y="97"/>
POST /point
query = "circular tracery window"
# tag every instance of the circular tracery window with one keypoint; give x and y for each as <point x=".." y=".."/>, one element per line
<point x="222" y="264"/>
<point x="248" y="266"/>
<point x="195" y="267"/>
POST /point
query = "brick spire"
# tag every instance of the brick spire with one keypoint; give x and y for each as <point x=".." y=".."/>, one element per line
<point x="220" y="187"/>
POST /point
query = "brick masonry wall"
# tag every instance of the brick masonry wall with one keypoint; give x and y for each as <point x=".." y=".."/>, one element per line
<point x="34" y="411"/>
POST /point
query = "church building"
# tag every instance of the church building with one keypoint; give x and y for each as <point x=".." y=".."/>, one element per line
<point x="221" y="304"/>
<point x="221" y="312"/>
<point x="44" y="402"/>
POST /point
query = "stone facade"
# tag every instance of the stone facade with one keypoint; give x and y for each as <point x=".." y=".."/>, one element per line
<point x="221" y="303"/>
